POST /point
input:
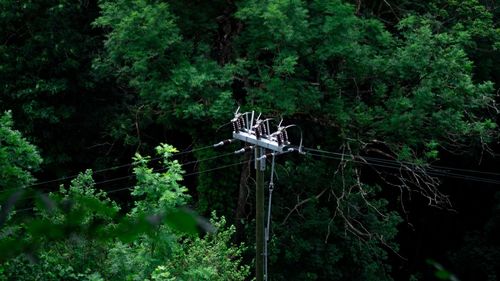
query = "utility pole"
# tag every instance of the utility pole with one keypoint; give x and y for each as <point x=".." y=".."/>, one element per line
<point x="259" y="214"/>
<point x="256" y="132"/>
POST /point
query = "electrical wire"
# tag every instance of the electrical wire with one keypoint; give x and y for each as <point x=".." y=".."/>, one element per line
<point x="398" y="167"/>
<point x="184" y="176"/>
<point x="268" y="223"/>
<point x="433" y="170"/>
<point x="162" y="169"/>
<point x="104" y="170"/>
<point x="155" y="170"/>
<point x="438" y="167"/>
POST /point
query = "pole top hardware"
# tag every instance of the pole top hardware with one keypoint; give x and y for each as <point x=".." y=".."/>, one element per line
<point x="257" y="132"/>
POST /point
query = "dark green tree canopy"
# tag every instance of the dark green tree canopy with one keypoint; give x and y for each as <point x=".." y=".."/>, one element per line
<point x="18" y="158"/>
<point x="388" y="88"/>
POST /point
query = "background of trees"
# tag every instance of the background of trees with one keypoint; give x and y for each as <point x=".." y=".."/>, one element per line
<point x="89" y="84"/>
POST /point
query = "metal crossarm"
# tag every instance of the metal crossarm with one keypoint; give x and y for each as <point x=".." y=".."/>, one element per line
<point x="258" y="132"/>
<point x="262" y="142"/>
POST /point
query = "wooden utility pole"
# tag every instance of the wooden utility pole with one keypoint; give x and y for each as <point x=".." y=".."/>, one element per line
<point x="259" y="214"/>
<point x="257" y="133"/>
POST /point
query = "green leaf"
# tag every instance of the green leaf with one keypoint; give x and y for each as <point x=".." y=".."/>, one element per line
<point x="182" y="220"/>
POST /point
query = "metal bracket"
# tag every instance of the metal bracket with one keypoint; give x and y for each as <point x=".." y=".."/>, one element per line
<point x="262" y="142"/>
<point x="260" y="162"/>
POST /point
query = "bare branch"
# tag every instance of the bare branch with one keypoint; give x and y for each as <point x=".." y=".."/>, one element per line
<point x="300" y="203"/>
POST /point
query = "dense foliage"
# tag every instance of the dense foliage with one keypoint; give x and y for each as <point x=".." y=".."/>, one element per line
<point x="96" y="83"/>
<point x="76" y="234"/>
<point x="18" y="158"/>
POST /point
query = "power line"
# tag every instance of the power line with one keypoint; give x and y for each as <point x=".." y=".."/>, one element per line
<point x="437" y="167"/>
<point x="108" y="169"/>
<point x="162" y="169"/>
<point x="184" y="176"/>
<point x="118" y="166"/>
<point x="433" y="170"/>
<point x="383" y="163"/>
<point x="432" y="173"/>
<point x="392" y="165"/>
<point x="154" y="170"/>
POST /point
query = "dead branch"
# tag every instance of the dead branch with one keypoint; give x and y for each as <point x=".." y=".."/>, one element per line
<point x="295" y="208"/>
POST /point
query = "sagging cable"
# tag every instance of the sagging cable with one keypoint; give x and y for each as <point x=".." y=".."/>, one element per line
<point x="268" y="224"/>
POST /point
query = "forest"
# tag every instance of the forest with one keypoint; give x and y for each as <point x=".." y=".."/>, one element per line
<point x="110" y="111"/>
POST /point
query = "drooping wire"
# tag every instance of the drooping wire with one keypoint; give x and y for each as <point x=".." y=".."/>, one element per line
<point x="437" y="167"/>
<point x="188" y="174"/>
<point x="162" y="169"/>
<point x="184" y="176"/>
<point x="398" y="167"/>
<point x="301" y="136"/>
<point x="268" y="224"/>
<point x="154" y="170"/>
<point x="102" y="170"/>
<point x="395" y="165"/>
